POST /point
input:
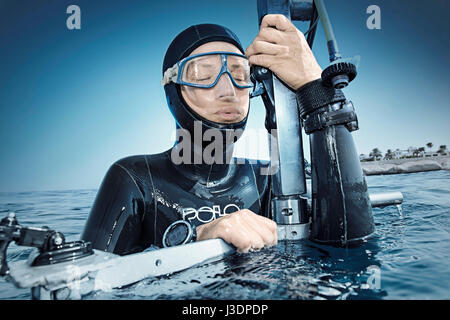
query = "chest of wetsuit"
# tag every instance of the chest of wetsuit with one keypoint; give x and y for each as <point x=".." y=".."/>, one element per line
<point x="142" y="195"/>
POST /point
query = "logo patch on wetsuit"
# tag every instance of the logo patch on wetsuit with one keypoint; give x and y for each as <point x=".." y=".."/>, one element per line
<point x="208" y="214"/>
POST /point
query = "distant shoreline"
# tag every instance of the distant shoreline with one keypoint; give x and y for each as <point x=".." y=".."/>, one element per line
<point x="409" y="165"/>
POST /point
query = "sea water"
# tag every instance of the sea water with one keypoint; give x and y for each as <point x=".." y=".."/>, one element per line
<point x="409" y="257"/>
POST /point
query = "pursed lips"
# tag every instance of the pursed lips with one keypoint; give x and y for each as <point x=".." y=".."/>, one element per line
<point x="229" y="113"/>
<point x="230" y="110"/>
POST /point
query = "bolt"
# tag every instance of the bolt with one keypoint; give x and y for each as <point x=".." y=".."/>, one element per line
<point x="58" y="240"/>
<point x="287" y="211"/>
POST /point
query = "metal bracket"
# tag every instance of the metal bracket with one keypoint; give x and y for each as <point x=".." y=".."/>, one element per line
<point x="345" y="114"/>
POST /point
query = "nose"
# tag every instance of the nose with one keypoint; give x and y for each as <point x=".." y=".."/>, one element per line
<point x="225" y="86"/>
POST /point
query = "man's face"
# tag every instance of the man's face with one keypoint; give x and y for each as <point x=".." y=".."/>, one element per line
<point x="223" y="103"/>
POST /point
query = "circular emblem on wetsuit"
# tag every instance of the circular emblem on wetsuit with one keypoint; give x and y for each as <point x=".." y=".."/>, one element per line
<point x="179" y="232"/>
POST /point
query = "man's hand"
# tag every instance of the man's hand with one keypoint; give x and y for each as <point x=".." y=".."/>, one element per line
<point x="244" y="229"/>
<point x="282" y="48"/>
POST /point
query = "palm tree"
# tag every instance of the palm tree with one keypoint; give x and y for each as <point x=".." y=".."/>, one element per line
<point x="430" y="145"/>
<point x="421" y="150"/>
<point x="375" y="154"/>
<point x="442" y="149"/>
<point x="388" y="155"/>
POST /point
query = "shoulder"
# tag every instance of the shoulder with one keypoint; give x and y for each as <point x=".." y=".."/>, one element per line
<point x="135" y="170"/>
<point x="136" y="160"/>
<point x="137" y="164"/>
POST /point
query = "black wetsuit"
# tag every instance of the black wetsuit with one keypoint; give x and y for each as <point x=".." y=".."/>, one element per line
<point x="142" y="195"/>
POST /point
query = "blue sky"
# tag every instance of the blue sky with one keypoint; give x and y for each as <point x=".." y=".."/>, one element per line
<point x="74" y="101"/>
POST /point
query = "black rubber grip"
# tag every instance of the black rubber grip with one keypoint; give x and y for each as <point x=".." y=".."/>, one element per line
<point x="314" y="95"/>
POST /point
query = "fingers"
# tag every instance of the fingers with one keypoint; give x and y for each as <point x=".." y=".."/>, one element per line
<point x="243" y="229"/>
<point x="259" y="232"/>
<point x="267" y="41"/>
<point x="277" y="21"/>
<point x="264" y="47"/>
<point x="271" y="225"/>
<point x="263" y="60"/>
<point x="250" y="239"/>
<point x="262" y="230"/>
<point x="244" y="235"/>
<point x="264" y="54"/>
<point x="270" y="35"/>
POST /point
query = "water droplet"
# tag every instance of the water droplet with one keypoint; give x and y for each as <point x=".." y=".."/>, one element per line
<point x="400" y="210"/>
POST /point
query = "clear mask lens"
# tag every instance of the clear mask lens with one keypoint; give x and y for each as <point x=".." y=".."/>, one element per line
<point x="205" y="70"/>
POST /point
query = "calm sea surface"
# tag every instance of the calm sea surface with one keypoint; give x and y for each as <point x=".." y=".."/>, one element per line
<point x="409" y="258"/>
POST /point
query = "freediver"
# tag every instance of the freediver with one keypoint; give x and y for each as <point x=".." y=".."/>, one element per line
<point x="143" y="197"/>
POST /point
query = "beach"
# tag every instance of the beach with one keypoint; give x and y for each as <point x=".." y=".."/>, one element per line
<point x="408" y="165"/>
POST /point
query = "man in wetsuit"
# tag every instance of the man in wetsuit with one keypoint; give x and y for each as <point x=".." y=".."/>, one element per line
<point x="141" y="196"/>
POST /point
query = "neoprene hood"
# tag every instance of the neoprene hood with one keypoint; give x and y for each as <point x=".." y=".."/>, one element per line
<point x="181" y="47"/>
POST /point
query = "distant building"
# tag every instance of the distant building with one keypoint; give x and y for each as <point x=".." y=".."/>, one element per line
<point x="411" y="151"/>
<point x="431" y="154"/>
<point x="408" y="153"/>
<point x="398" y="154"/>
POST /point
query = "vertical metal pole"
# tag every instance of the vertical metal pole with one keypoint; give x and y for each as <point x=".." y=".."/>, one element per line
<point x="289" y="208"/>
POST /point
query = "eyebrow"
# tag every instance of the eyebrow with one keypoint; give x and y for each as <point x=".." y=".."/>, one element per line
<point x="235" y="65"/>
<point x="207" y="65"/>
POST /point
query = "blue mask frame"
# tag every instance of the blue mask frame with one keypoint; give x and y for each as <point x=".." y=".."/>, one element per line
<point x="174" y="75"/>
